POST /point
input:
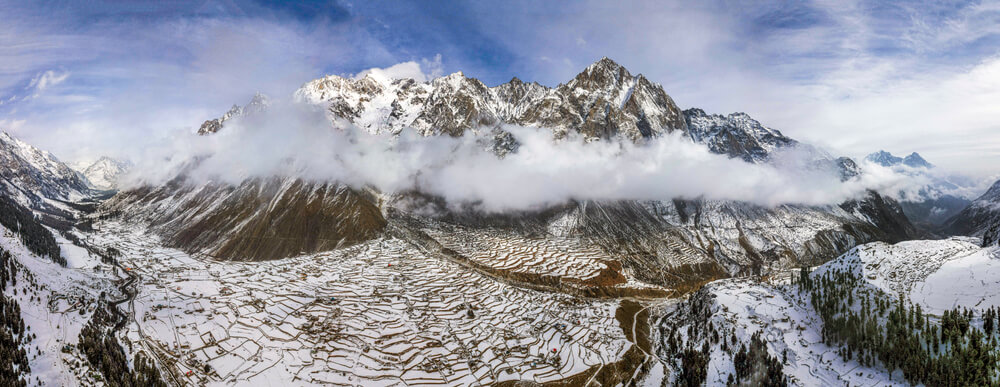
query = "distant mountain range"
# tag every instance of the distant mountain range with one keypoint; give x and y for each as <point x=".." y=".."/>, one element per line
<point x="35" y="177"/>
<point x="941" y="198"/>
<point x="104" y="173"/>
<point x="886" y="159"/>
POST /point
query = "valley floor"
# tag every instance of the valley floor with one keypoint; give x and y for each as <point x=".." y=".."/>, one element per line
<point x="380" y="313"/>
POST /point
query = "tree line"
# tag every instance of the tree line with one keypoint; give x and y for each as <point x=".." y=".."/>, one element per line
<point x="753" y="365"/>
<point x="33" y="234"/>
<point x="875" y="328"/>
<point x="14" y="368"/>
<point x="105" y="354"/>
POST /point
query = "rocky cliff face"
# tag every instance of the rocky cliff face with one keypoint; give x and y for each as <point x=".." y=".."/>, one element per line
<point x="981" y="218"/>
<point x="604" y="101"/>
<point x="736" y="135"/>
<point x="29" y="174"/>
<point x="258" y="103"/>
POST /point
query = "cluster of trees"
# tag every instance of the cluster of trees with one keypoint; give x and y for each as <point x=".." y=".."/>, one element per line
<point x="8" y="271"/>
<point x="34" y="235"/>
<point x="14" y="367"/>
<point x="101" y="348"/>
<point x="874" y="328"/>
<point x="694" y="367"/>
<point x="753" y="365"/>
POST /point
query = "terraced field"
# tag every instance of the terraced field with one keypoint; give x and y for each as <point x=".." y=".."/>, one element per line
<point x="380" y="313"/>
<point x="552" y="256"/>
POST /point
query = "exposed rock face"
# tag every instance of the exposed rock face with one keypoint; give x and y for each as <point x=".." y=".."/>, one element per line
<point x="29" y="174"/>
<point x="602" y="102"/>
<point x="258" y="103"/>
<point x="736" y="135"/>
<point x="260" y="219"/>
<point x="981" y="218"/>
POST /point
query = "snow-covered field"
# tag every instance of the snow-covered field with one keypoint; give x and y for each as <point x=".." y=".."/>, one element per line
<point x="552" y="256"/>
<point x="380" y="313"/>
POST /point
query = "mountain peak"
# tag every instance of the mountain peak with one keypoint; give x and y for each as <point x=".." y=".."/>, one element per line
<point x="606" y="63"/>
<point x="914" y="160"/>
<point x="257" y="104"/>
<point x="883" y="158"/>
<point x="603" y="74"/>
<point x="104" y="173"/>
<point x="887" y="159"/>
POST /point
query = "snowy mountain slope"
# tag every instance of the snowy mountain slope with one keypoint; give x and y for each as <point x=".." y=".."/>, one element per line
<point x="937" y="276"/>
<point x="724" y="316"/>
<point x="55" y="303"/>
<point x="736" y="135"/>
<point x="260" y="219"/>
<point x="979" y="218"/>
<point x="104" y="173"/>
<point x="258" y="103"/>
<point x="29" y="174"/>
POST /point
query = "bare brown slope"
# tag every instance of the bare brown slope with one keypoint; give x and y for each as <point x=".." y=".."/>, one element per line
<point x="260" y="219"/>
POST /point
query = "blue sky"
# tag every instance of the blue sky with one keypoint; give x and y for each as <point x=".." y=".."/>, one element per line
<point x="104" y="77"/>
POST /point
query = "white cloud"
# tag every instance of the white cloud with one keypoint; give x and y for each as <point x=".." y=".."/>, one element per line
<point x="423" y="71"/>
<point x="11" y="125"/>
<point x="47" y="79"/>
<point x="296" y="140"/>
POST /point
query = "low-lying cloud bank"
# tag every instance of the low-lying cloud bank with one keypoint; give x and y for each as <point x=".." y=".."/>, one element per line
<point x="299" y="140"/>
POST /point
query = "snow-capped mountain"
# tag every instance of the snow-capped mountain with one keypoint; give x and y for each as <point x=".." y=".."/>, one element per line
<point x="736" y="135"/>
<point x="30" y="174"/>
<point x="604" y="101"/>
<point x="104" y="173"/>
<point x="932" y="204"/>
<point x="886" y="159"/>
<point x="258" y="103"/>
